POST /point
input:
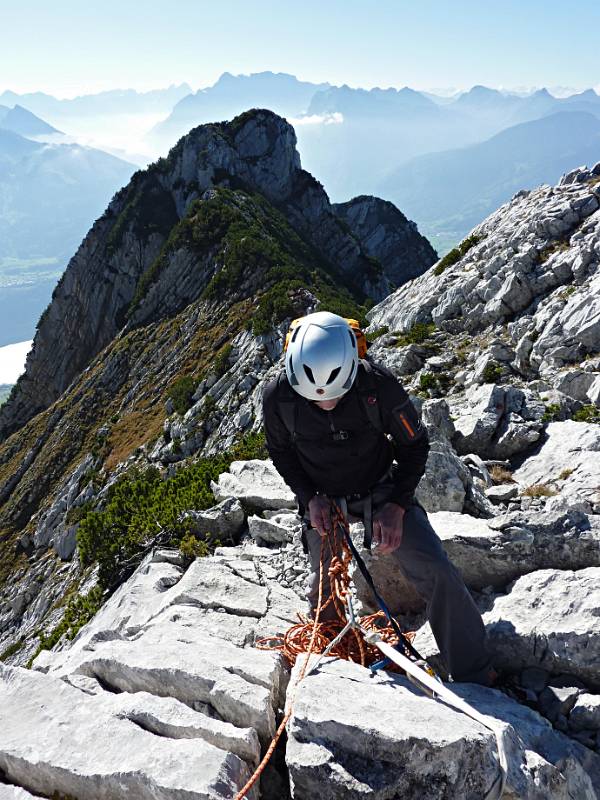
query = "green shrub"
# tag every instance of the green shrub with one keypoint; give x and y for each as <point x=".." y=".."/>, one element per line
<point x="456" y="254"/>
<point x="427" y="382"/>
<point x="374" y="335"/>
<point x="191" y="547"/>
<point x="551" y="413"/>
<point x="492" y="372"/>
<point x="180" y="392"/>
<point x="435" y="383"/>
<point x="589" y="413"/>
<point x="12" y="649"/>
<point x="220" y="363"/>
<point x="419" y="333"/>
<point x="80" y="610"/>
<point x="77" y="513"/>
<point x="142" y="506"/>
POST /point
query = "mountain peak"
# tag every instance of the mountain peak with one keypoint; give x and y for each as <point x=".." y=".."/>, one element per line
<point x="164" y="238"/>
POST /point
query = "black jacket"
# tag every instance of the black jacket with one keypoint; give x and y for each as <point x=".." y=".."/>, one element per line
<point x="321" y="460"/>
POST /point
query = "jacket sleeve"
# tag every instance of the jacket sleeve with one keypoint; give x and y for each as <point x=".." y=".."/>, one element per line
<point x="281" y="449"/>
<point x="411" y="442"/>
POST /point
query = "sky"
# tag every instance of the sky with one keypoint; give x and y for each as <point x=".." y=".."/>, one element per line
<point x="70" y="47"/>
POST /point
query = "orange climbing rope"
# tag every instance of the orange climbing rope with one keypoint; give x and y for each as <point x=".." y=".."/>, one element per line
<point x="352" y="647"/>
<point x="312" y="637"/>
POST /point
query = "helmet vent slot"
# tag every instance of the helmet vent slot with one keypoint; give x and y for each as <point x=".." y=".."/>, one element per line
<point x="309" y="374"/>
<point x="348" y="383"/>
<point x="334" y="373"/>
<point x="352" y="339"/>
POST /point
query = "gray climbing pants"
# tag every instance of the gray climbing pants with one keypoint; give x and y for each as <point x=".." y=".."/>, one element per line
<point x="454" y="618"/>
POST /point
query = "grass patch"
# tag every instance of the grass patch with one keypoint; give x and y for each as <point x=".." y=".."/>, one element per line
<point x="565" y="473"/>
<point x="539" y="490"/>
<point x="456" y="254"/>
<point x="567" y="292"/>
<point x="555" y="247"/>
<point x="501" y="474"/>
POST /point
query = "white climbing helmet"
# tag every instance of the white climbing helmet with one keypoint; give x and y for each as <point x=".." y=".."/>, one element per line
<point x="321" y="359"/>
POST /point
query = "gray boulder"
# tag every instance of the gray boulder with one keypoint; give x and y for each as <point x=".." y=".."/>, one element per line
<point x="353" y="735"/>
<point x="226" y="519"/>
<point x="502" y="492"/>
<point x="551" y="619"/>
<point x="568" y="463"/>
<point x="55" y="727"/>
<point x="586" y="712"/>
<point x="494" y="552"/>
<point x="444" y="485"/>
<point x="278" y="528"/>
<point x="256" y="483"/>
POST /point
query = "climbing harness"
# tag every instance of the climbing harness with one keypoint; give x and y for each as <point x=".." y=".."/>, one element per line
<point x="363" y="640"/>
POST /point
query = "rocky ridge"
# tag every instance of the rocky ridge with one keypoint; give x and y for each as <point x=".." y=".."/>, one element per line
<point x="255" y="152"/>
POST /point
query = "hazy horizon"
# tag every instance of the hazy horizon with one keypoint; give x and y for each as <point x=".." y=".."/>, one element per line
<point x="344" y="41"/>
<point x="448" y="91"/>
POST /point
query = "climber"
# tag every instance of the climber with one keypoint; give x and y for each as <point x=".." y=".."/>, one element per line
<point x="326" y="417"/>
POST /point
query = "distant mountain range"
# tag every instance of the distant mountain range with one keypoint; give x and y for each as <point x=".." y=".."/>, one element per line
<point x="115" y="101"/>
<point x="49" y="195"/>
<point x="284" y="94"/>
<point x="20" y="120"/>
<point x="456" y="189"/>
<point x="373" y="133"/>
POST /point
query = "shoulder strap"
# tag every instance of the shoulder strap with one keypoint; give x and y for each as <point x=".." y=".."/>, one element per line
<point x="366" y="385"/>
<point x="286" y="404"/>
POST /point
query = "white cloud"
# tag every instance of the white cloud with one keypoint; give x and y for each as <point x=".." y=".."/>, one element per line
<point x="12" y="361"/>
<point x="336" y="118"/>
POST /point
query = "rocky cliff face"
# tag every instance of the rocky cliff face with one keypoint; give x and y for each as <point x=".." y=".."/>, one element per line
<point x="389" y="236"/>
<point x="498" y="344"/>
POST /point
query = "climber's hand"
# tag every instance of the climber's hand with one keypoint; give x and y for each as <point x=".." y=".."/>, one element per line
<point x="387" y="527"/>
<point x="319" y="509"/>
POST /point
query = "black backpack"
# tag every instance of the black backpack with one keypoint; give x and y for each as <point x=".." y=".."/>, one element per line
<point x="365" y="383"/>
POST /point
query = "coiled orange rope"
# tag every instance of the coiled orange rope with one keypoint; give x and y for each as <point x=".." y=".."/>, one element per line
<point x="311" y="636"/>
